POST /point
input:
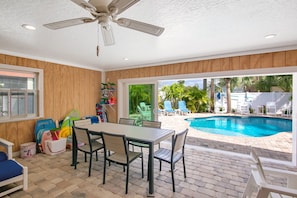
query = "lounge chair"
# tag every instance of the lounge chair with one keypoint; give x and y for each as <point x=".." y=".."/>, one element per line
<point x="145" y="114"/>
<point x="270" y="108"/>
<point x="257" y="181"/>
<point x="13" y="175"/>
<point x="243" y="107"/>
<point x="144" y="107"/>
<point x="182" y="108"/>
<point x="167" y="107"/>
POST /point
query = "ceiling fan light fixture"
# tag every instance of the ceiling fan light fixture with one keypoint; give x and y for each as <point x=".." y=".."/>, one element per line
<point x="107" y="35"/>
<point x="269" y="36"/>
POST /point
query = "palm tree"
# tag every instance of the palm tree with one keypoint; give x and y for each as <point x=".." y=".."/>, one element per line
<point x="230" y="84"/>
<point x="212" y="94"/>
<point x="228" y="93"/>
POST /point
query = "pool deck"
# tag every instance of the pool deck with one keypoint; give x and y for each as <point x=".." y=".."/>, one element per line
<point x="277" y="146"/>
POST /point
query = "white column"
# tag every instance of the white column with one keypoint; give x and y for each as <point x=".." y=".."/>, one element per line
<point x="294" y="118"/>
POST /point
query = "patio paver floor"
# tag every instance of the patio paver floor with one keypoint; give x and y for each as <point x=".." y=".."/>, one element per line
<point x="210" y="173"/>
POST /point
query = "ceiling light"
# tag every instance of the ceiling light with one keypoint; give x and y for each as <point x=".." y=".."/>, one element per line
<point x="28" y="27"/>
<point x="270" y="36"/>
<point x="125" y="59"/>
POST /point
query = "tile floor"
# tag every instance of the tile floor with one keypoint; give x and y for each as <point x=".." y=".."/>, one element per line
<point x="209" y="174"/>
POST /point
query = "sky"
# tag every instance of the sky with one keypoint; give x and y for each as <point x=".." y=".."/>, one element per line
<point x="188" y="82"/>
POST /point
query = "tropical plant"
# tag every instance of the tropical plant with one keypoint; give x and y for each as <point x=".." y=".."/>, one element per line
<point x="138" y="93"/>
<point x="266" y="83"/>
<point x="196" y="99"/>
<point x="174" y="92"/>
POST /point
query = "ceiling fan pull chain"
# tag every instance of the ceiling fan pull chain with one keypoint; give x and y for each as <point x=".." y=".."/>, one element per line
<point x="97" y="49"/>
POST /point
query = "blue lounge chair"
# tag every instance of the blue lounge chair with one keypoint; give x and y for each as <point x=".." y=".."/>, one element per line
<point x="167" y="107"/>
<point x="182" y="107"/>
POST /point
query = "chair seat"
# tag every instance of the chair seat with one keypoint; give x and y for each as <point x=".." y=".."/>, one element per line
<point x="12" y="169"/>
<point x="121" y="158"/>
<point x="95" y="146"/>
<point x="165" y="155"/>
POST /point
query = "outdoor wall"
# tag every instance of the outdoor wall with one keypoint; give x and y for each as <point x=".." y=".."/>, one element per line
<point x="247" y="62"/>
<point x="65" y="88"/>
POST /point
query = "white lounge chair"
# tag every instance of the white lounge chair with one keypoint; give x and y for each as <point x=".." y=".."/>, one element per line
<point x="257" y="182"/>
<point x="243" y="108"/>
<point x="270" y="108"/>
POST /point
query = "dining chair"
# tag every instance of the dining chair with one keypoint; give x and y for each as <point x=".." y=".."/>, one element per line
<point x="81" y="123"/>
<point x="116" y="150"/>
<point x="86" y="145"/>
<point x="176" y="153"/>
<point x="257" y="181"/>
<point x="146" y="123"/>
<point x="127" y="121"/>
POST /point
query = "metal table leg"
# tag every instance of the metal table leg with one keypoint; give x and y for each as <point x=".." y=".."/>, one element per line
<point x="151" y="171"/>
<point x="74" y="150"/>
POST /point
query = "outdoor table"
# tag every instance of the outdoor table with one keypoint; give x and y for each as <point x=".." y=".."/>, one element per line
<point x="150" y="136"/>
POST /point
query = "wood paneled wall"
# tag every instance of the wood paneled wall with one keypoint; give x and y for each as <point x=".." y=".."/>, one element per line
<point x="65" y="88"/>
<point x="247" y="62"/>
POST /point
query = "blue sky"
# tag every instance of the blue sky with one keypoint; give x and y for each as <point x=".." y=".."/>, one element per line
<point x="188" y="82"/>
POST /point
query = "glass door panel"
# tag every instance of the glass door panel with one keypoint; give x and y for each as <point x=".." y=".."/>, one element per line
<point x="141" y="102"/>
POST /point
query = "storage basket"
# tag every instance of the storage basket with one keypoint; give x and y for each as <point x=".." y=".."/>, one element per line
<point x="28" y="149"/>
<point x="53" y="147"/>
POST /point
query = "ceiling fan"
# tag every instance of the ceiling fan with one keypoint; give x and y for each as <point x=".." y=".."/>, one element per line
<point x="106" y="11"/>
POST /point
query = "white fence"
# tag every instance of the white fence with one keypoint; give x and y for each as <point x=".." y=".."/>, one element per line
<point x="255" y="100"/>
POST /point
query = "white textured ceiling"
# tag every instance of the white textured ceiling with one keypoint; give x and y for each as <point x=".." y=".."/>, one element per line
<point x="194" y="29"/>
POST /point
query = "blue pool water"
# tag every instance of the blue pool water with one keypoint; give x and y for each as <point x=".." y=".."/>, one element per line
<point x="252" y="126"/>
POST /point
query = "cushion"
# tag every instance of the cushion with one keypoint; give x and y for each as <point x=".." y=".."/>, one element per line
<point x="94" y="119"/>
<point x="3" y="156"/>
<point x="12" y="169"/>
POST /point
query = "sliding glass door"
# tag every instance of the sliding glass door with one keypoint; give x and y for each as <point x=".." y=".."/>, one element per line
<point x="140" y="101"/>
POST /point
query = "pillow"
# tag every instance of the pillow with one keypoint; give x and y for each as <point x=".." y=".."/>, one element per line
<point x="3" y="156"/>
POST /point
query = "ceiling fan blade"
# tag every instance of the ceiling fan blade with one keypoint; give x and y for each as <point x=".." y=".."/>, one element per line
<point x="140" y="26"/>
<point x="107" y="35"/>
<point x="68" y="23"/>
<point x="84" y="5"/>
<point x="122" y="5"/>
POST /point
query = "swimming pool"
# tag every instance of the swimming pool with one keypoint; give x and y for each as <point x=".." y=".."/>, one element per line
<point x="252" y="126"/>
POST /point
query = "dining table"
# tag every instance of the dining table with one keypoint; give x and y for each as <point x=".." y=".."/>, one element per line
<point x="147" y="135"/>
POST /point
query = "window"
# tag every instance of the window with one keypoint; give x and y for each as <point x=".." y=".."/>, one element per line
<point x="20" y="94"/>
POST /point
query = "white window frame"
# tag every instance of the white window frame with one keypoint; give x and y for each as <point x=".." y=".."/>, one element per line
<point x="39" y="104"/>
